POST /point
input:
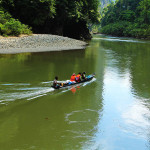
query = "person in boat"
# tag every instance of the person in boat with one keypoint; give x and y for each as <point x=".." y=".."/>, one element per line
<point x="55" y="83"/>
<point x="83" y="76"/>
<point x="78" y="77"/>
<point x="73" y="78"/>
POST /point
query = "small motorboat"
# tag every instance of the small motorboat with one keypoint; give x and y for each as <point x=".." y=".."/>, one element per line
<point x="62" y="85"/>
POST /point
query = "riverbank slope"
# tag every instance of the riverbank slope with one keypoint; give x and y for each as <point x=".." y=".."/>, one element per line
<point x="38" y="43"/>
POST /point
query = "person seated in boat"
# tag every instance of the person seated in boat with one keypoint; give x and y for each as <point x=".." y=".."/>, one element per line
<point x="83" y="76"/>
<point x="55" y="83"/>
<point x="78" y="77"/>
<point x="73" y="78"/>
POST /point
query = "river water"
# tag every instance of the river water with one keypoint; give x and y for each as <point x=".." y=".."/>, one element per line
<point x="111" y="112"/>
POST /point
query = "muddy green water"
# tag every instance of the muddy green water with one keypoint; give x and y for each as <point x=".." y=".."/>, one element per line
<point x="111" y="112"/>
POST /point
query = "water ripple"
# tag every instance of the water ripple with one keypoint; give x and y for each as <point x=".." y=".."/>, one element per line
<point x="13" y="91"/>
<point x="121" y="40"/>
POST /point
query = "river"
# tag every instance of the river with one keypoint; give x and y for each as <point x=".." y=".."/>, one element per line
<point x="111" y="112"/>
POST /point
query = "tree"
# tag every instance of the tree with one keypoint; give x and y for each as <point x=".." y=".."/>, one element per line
<point x="30" y="12"/>
<point x="144" y="9"/>
<point x="127" y="18"/>
<point x="54" y="16"/>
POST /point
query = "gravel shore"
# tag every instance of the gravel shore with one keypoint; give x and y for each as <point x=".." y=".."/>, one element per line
<point x="38" y="43"/>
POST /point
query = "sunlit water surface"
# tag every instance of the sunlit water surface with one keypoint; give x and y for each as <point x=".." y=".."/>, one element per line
<point x="111" y="112"/>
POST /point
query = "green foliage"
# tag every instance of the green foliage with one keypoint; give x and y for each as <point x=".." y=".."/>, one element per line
<point x="11" y="26"/>
<point x="77" y="10"/>
<point x="127" y="18"/>
<point x="116" y="29"/>
<point x="127" y="15"/>
<point x="127" y="29"/>
<point x="15" y="28"/>
<point x="108" y="15"/>
<point x="49" y="15"/>
<point x="4" y="17"/>
<point x="144" y="11"/>
<point x="31" y="12"/>
<point x="43" y="10"/>
<point x="141" y="32"/>
<point x="96" y="28"/>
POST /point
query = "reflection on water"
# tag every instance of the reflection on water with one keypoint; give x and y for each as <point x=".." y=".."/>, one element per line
<point x="73" y="89"/>
<point x="116" y="39"/>
<point x="128" y="61"/>
<point x="110" y="112"/>
<point x="136" y="119"/>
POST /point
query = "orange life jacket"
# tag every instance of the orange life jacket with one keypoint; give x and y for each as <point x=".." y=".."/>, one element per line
<point x="73" y="78"/>
<point x="78" y="78"/>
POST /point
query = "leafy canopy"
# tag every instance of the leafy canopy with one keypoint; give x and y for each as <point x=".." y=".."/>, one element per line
<point x="127" y="18"/>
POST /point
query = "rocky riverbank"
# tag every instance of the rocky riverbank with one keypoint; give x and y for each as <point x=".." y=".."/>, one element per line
<point x="38" y="43"/>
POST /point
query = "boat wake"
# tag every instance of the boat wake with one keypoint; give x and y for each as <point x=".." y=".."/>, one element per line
<point x="13" y="91"/>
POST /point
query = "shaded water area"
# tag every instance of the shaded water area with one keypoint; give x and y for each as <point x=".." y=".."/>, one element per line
<point x="111" y="112"/>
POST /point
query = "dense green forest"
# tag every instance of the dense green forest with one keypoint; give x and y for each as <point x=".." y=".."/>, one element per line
<point x="68" y="17"/>
<point x="74" y="18"/>
<point x="129" y="18"/>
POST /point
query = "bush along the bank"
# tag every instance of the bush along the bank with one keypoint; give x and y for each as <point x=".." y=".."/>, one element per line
<point x="127" y="29"/>
<point x="10" y="26"/>
<point x="129" y="18"/>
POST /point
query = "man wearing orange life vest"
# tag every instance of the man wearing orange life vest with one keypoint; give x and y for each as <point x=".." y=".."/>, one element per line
<point x="73" y="78"/>
<point x="78" y="77"/>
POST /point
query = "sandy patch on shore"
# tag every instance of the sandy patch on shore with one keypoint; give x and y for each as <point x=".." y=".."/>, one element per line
<point x="38" y="43"/>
